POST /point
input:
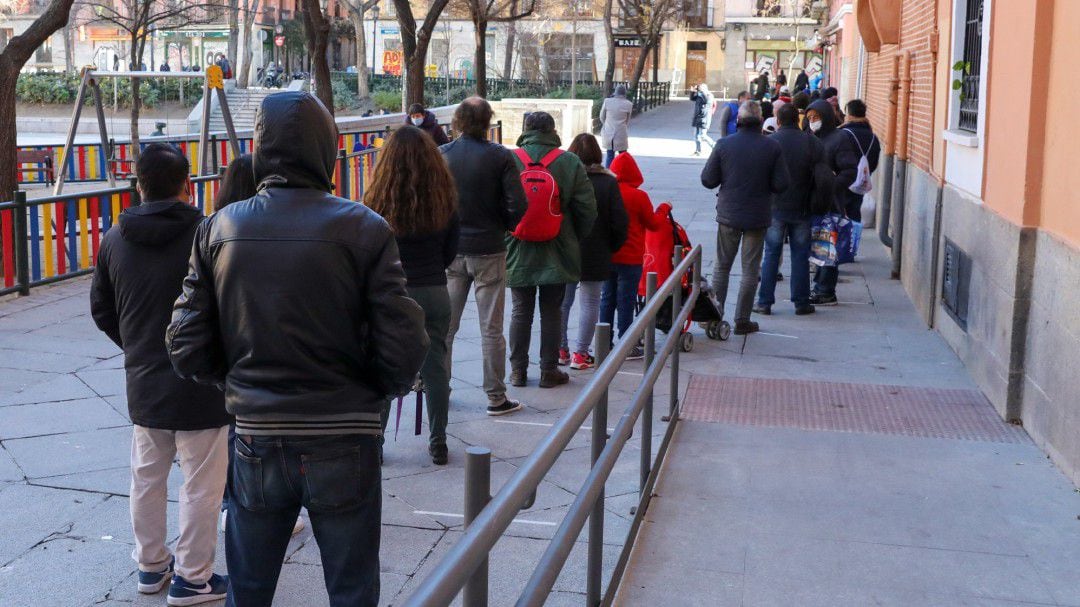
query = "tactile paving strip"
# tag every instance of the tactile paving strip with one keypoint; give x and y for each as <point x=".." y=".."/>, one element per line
<point x="842" y="407"/>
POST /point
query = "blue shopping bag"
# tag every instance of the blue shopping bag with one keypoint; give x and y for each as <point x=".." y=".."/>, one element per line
<point x="823" y="238"/>
<point x="848" y="237"/>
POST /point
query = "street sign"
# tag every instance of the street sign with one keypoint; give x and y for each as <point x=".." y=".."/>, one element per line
<point x="279" y="29"/>
<point x="262" y="35"/>
<point x="279" y="40"/>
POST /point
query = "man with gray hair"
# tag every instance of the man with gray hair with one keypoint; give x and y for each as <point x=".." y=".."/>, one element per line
<point x="615" y="118"/>
<point x="748" y="168"/>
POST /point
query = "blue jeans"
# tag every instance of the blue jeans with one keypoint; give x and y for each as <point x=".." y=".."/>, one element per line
<point x="620" y="293"/>
<point x="701" y="133"/>
<point x="589" y="312"/>
<point x="799" y="233"/>
<point x="610" y="156"/>
<point x="338" y="479"/>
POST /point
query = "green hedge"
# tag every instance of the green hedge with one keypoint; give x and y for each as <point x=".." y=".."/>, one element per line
<point x="61" y="89"/>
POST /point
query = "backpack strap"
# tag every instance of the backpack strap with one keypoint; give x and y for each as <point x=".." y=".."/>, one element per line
<point x="550" y="157"/>
<point x="856" y="138"/>
<point x="523" y="156"/>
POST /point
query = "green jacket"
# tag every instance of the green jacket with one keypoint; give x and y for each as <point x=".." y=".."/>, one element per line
<point x="557" y="261"/>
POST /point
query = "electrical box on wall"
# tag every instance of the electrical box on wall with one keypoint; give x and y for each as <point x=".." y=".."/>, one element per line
<point x="956" y="283"/>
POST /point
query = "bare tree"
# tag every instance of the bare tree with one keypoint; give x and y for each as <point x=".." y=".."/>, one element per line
<point x="12" y="58"/>
<point x="647" y="19"/>
<point x="609" y="38"/>
<point x="482" y="12"/>
<point x="414" y="43"/>
<point x="243" y="69"/>
<point x="234" y="32"/>
<point x="357" y="9"/>
<point x="137" y="18"/>
<point x="317" y="38"/>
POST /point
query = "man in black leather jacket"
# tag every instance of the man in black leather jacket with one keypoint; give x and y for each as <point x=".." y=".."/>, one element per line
<point x="295" y="301"/>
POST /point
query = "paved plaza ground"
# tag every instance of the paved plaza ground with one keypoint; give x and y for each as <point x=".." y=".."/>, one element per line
<point x="767" y="509"/>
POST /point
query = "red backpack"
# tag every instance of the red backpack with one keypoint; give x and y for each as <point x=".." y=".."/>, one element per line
<point x="543" y="217"/>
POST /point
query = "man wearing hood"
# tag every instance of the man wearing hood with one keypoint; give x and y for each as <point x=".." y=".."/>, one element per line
<point x="749" y="168"/>
<point x="842" y="156"/>
<point x="615" y="118"/>
<point x="295" y="301"/>
<point x="541" y="270"/>
<point x="704" y="106"/>
<point x="140" y="266"/>
<point x="426" y="121"/>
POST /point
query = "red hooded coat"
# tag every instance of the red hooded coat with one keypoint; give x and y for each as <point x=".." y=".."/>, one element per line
<point x="639" y="209"/>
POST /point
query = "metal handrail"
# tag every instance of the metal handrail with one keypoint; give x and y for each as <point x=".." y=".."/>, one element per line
<point x="464" y="563"/>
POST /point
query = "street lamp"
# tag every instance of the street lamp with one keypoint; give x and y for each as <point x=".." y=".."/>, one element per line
<point x="374" y="29"/>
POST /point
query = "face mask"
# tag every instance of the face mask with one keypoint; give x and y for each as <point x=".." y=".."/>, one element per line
<point x="418" y="121"/>
<point x="815" y="126"/>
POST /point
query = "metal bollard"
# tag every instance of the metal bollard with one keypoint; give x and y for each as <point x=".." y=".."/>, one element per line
<point x="595" y="570"/>
<point x="647" y="412"/>
<point x="22" y="245"/>
<point x="477" y="495"/>
<point x="676" y="307"/>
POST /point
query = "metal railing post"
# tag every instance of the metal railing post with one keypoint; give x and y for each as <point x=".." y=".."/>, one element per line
<point x="214" y="162"/>
<point x="343" y="174"/>
<point x="647" y="412"/>
<point x="595" y="571"/>
<point x="477" y="495"/>
<point x="676" y="307"/>
<point x="136" y="199"/>
<point x="22" y="245"/>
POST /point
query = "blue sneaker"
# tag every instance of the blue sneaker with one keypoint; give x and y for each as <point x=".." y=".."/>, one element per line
<point x="183" y="592"/>
<point x="151" y="582"/>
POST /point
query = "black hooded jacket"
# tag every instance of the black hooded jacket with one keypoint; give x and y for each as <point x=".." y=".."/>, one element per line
<point x="841" y="153"/>
<point x="801" y="151"/>
<point x="295" y="299"/>
<point x="140" y="266"/>
<point x="609" y="230"/>
<point x="430" y="125"/>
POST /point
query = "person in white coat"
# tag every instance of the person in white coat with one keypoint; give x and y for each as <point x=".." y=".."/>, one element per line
<point x="615" y="118"/>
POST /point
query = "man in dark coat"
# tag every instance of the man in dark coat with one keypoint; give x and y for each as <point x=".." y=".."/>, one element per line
<point x="140" y="266"/>
<point x="791" y="214"/>
<point x="749" y="168"/>
<point x="701" y="120"/>
<point x="295" y="300"/>
<point x="842" y="156"/>
<point x="491" y="202"/>
<point x="802" y="81"/>
<point x="426" y="121"/>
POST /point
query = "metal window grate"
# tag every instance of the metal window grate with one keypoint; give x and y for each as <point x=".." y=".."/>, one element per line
<point x="969" y="79"/>
<point x="955" y="283"/>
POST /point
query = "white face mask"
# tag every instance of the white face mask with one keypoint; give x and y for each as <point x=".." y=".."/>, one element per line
<point x="815" y="126"/>
<point x="417" y="121"/>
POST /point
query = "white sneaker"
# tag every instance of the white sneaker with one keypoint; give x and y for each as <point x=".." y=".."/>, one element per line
<point x="297" y="527"/>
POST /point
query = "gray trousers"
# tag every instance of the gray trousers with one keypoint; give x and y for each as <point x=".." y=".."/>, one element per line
<point x="587" y="294"/>
<point x="488" y="274"/>
<point x="728" y="240"/>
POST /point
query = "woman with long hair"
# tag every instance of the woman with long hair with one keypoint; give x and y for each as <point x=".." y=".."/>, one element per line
<point x="607" y="236"/>
<point x="413" y="190"/>
<point x="238" y="182"/>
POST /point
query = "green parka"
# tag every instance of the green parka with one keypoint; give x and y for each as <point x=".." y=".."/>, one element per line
<point x="556" y="261"/>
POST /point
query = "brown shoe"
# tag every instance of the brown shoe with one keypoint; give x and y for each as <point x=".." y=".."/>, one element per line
<point x="552" y="378"/>
<point x="519" y="378"/>
<point x="744" y="327"/>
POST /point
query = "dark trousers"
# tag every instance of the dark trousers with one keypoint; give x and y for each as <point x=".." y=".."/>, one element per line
<point x="728" y="242"/>
<point x="436" y="370"/>
<point x="338" y="480"/>
<point x="521" y="321"/>
<point x="826" y="277"/>
<point x="619" y="293"/>
<point x="799" y="233"/>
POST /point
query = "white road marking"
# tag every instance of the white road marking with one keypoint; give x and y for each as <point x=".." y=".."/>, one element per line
<point x="778" y="335"/>
<point x="510" y="421"/>
<point x="517" y="520"/>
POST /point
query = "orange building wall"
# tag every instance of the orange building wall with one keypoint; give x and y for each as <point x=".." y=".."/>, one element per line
<point x="1060" y="208"/>
<point x="917" y="23"/>
<point x="878" y="71"/>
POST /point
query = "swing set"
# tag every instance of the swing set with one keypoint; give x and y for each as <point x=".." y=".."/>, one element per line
<point x="213" y="80"/>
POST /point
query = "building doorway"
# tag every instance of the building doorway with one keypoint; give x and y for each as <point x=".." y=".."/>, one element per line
<point x="696" y="53"/>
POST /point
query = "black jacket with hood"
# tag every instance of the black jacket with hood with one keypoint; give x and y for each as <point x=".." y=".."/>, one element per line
<point x="841" y="153"/>
<point x="748" y="168"/>
<point x="609" y="230"/>
<point x="491" y="201"/>
<point x="430" y="125"/>
<point x="140" y="266"/>
<point x="802" y="152"/>
<point x="295" y="299"/>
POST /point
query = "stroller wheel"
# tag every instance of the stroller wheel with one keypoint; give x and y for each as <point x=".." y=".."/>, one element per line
<point x="686" y="342"/>
<point x="712" y="329"/>
<point x="724" y="331"/>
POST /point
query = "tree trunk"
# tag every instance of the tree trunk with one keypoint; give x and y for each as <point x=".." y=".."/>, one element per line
<point x="317" y="28"/>
<point x="609" y="36"/>
<point x="69" y="49"/>
<point x="234" y="31"/>
<point x="639" y="66"/>
<point x="362" y="89"/>
<point x="243" y="74"/>
<point x="9" y="75"/>
<point x="136" y="99"/>
<point x="414" y="79"/>
<point x="480" y="58"/>
<point x="511" y="39"/>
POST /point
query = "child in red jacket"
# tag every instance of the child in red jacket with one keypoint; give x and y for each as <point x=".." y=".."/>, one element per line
<point x="620" y="290"/>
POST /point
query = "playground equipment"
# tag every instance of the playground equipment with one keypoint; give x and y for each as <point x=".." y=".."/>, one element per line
<point x="213" y="80"/>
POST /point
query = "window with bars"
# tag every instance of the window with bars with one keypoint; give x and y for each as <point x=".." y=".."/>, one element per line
<point x="971" y="66"/>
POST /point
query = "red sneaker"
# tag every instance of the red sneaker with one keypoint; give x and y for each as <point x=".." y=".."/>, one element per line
<point x="581" y="361"/>
<point x="564" y="357"/>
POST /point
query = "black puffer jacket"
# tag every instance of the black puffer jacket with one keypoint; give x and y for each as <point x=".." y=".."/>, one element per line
<point x="609" y="230"/>
<point x="748" y="168"/>
<point x="140" y="266"/>
<point x="491" y="201"/>
<point x="841" y="153"/>
<point x="295" y="299"/>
